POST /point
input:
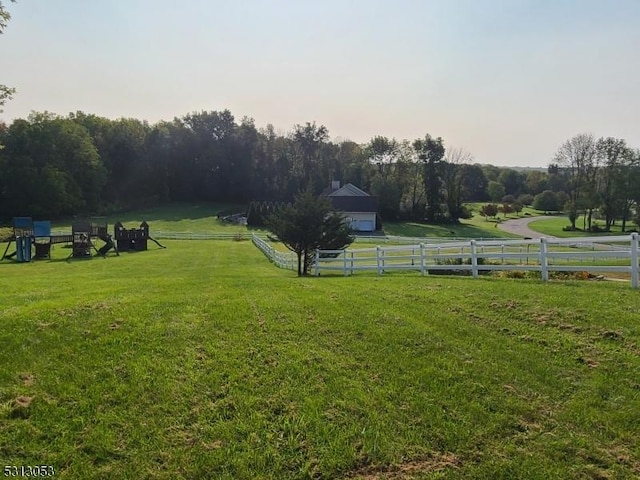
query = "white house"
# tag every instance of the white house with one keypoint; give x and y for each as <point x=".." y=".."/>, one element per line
<point x="358" y="207"/>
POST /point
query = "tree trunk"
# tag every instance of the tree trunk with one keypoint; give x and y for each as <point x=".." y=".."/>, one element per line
<point x="305" y="265"/>
<point x="299" y="263"/>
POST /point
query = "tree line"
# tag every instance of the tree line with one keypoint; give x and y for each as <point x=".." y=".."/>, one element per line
<point x="53" y="166"/>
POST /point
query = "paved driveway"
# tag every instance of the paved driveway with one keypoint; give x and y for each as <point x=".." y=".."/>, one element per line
<point x="519" y="226"/>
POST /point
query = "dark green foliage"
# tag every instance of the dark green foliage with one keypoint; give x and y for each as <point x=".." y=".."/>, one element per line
<point x="474" y="183"/>
<point x="496" y="191"/>
<point x="546" y="202"/>
<point x="513" y="181"/>
<point x="525" y="199"/>
<point x="489" y="210"/>
<point x="307" y="225"/>
<point x="431" y="153"/>
<point x="49" y="167"/>
<point x="259" y="212"/>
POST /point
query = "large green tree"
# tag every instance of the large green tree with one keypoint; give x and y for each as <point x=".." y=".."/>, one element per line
<point x="5" y="92"/>
<point x="431" y="153"/>
<point x="50" y="167"/>
<point x="577" y="161"/>
<point x="309" y="224"/>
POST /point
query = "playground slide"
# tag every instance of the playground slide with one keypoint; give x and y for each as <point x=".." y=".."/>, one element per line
<point x="157" y="242"/>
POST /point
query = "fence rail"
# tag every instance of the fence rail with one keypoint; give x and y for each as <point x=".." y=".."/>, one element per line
<point x="590" y="254"/>
<point x="205" y="236"/>
<point x="284" y="260"/>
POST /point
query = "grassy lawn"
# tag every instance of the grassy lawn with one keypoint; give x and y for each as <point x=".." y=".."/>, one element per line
<point x="554" y="226"/>
<point x="175" y="217"/>
<point x="465" y="229"/>
<point x="205" y="361"/>
<point x="476" y="227"/>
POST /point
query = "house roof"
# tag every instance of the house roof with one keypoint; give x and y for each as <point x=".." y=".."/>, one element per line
<point x="354" y="203"/>
<point x="348" y="190"/>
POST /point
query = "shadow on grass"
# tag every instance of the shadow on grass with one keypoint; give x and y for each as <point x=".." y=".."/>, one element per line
<point x="415" y="229"/>
<point x="178" y="211"/>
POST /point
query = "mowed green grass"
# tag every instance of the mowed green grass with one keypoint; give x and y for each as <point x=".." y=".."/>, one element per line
<point x="554" y="226"/>
<point x="205" y="361"/>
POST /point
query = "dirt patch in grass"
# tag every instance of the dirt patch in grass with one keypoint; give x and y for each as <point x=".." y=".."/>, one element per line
<point x="27" y="379"/>
<point x="412" y="469"/>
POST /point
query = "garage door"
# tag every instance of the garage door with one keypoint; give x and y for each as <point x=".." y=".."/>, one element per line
<point x="366" y="226"/>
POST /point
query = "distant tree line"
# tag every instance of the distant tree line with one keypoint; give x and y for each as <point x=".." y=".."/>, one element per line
<point x="53" y="166"/>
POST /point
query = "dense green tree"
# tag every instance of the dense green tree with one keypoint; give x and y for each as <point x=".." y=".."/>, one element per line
<point x="453" y="182"/>
<point x="6" y="93"/>
<point x="525" y="199"/>
<point x="431" y="152"/>
<point x="546" y="201"/>
<point x="576" y="160"/>
<point x="309" y="224"/>
<point x="50" y="167"/>
<point x="512" y="180"/>
<point x="495" y="190"/>
<point x="536" y="182"/>
<point x="309" y="146"/>
<point x="409" y="173"/>
<point x="629" y="187"/>
<point x="612" y="184"/>
<point x="474" y="183"/>
<point x="491" y="172"/>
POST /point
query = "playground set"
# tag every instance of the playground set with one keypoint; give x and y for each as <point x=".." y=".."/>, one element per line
<point x="34" y="239"/>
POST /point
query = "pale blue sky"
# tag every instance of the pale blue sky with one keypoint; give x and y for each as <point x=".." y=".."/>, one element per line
<point x="507" y="80"/>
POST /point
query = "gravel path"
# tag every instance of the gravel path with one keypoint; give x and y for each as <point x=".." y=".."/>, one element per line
<point x="519" y="226"/>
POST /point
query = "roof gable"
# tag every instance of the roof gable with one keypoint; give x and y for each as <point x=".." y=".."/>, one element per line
<point x="348" y="190"/>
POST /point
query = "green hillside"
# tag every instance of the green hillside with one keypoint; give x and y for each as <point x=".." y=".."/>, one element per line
<point x="205" y="361"/>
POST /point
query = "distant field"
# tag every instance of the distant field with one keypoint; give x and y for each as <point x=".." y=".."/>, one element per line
<point x="554" y="226"/>
<point x="201" y="218"/>
<point x="205" y="361"/>
<point x="476" y="227"/>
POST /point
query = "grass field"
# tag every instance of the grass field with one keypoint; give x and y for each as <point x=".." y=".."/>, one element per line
<point x="205" y="361"/>
<point x="554" y="226"/>
<point x="202" y="218"/>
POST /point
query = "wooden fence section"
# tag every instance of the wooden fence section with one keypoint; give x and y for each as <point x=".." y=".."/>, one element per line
<point x="592" y="254"/>
<point x="284" y="260"/>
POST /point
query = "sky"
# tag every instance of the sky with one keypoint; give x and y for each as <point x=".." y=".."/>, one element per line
<point x="506" y="80"/>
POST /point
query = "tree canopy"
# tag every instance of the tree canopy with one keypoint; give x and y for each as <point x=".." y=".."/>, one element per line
<point x="307" y="225"/>
<point x="5" y="92"/>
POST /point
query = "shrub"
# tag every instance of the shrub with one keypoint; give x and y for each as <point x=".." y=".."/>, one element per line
<point x="525" y="199"/>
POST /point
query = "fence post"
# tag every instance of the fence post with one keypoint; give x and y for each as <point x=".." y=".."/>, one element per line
<point x="502" y="254"/>
<point x="634" y="261"/>
<point x="379" y="260"/>
<point x="423" y="260"/>
<point x="474" y="259"/>
<point x="351" y="272"/>
<point x="317" y="262"/>
<point x="344" y="261"/>
<point x="544" y="261"/>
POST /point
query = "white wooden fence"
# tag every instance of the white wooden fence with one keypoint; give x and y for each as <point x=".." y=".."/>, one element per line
<point x="592" y="254"/>
<point x="286" y="260"/>
<point x="204" y="236"/>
